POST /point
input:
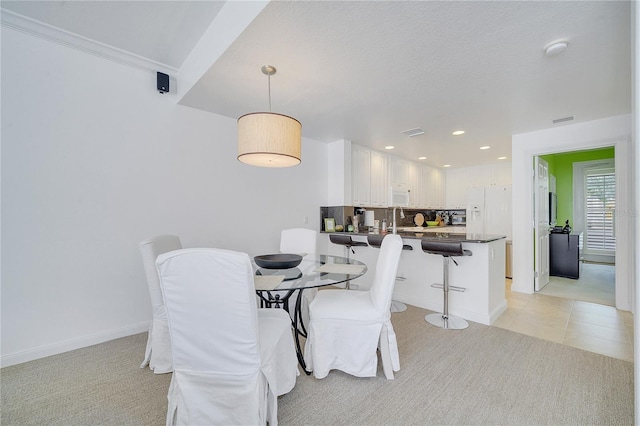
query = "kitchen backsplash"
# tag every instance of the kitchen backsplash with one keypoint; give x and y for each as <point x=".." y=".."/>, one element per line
<point x="343" y="215"/>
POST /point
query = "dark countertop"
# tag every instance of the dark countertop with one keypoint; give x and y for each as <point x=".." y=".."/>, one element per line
<point x="437" y="236"/>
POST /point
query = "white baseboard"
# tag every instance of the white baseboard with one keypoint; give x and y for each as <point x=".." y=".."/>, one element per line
<point x="72" y="344"/>
<point x="599" y="258"/>
<point x="436" y="306"/>
<point x="499" y="310"/>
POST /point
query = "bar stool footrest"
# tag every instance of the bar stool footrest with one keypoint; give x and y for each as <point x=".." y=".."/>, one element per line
<point x="451" y="287"/>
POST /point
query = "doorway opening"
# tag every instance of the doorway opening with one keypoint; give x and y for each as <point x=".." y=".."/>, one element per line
<point x="596" y="285"/>
<point x="585" y="192"/>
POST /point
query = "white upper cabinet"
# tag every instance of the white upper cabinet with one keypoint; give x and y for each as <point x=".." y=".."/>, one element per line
<point x="379" y="184"/>
<point x="373" y="173"/>
<point x="458" y="181"/>
<point x="433" y="187"/>
<point x="361" y="175"/>
<point x="439" y="181"/>
<point x="416" y="188"/>
<point x="399" y="172"/>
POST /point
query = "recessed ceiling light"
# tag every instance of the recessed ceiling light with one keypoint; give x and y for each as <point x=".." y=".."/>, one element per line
<point x="502" y="158"/>
<point x="555" y="47"/>
<point x="447" y="165"/>
<point x="422" y="158"/>
<point x="485" y="147"/>
<point x="458" y="133"/>
<point x="389" y="147"/>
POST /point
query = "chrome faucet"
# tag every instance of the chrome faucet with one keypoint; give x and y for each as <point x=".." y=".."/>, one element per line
<point x="394" y="219"/>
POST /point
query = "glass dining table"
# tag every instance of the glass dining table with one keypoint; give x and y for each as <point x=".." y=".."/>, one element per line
<point x="276" y="287"/>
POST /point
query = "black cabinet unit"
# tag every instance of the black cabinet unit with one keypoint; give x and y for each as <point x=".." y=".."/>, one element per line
<point x="564" y="255"/>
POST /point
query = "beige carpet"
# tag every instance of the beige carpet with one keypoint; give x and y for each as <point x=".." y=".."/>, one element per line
<point x="596" y="285"/>
<point x="481" y="376"/>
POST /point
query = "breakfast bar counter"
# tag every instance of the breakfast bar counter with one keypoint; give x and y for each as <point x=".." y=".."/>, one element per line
<point x="482" y="274"/>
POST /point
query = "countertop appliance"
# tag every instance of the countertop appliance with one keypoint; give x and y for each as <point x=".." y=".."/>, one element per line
<point x="458" y="219"/>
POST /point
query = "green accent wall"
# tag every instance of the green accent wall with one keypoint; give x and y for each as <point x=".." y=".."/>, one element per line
<point x="561" y="166"/>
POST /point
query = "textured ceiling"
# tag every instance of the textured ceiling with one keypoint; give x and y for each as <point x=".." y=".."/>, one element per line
<point x="366" y="71"/>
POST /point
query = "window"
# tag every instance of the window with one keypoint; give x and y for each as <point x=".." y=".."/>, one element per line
<point x="600" y="198"/>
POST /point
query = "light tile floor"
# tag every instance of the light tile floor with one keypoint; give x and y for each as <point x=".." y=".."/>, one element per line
<point x="584" y="325"/>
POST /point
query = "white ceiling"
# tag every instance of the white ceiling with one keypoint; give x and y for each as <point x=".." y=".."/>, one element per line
<point x="367" y="70"/>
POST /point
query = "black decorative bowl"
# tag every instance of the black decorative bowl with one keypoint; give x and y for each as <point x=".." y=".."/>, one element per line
<point x="278" y="261"/>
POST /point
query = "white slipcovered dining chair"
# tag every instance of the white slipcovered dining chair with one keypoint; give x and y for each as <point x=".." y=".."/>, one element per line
<point x="347" y="327"/>
<point x="231" y="360"/>
<point x="299" y="241"/>
<point x="304" y="242"/>
<point x="158" y="353"/>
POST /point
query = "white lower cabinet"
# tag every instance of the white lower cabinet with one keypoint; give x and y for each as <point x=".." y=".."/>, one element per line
<point x="481" y="274"/>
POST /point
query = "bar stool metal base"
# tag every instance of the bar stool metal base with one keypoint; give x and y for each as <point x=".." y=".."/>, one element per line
<point x="447" y="250"/>
<point x="449" y="323"/>
<point x="398" y="306"/>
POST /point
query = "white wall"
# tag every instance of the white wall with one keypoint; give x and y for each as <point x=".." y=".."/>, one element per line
<point x="94" y="160"/>
<point x="339" y="173"/>
<point x="613" y="131"/>
<point x="635" y="177"/>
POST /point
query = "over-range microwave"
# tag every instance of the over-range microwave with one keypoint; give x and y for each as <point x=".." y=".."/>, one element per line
<point x="398" y="197"/>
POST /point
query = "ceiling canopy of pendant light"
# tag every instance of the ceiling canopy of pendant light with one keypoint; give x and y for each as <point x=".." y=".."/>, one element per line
<point x="267" y="139"/>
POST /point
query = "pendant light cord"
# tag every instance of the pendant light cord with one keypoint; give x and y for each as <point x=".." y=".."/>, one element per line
<point x="269" y="77"/>
<point x="269" y="70"/>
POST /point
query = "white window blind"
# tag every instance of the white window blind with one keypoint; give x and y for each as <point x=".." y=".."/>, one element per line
<point x="600" y="208"/>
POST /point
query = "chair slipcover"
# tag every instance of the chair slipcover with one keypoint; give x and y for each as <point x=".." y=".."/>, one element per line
<point x="158" y="353"/>
<point x="231" y="360"/>
<point x="300" y="241"/>
<point x="347" y="327"/>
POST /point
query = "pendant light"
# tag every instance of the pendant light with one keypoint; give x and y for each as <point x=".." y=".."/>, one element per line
<point x="267" y="139"/>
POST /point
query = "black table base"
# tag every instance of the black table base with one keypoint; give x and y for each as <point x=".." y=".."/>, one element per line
<point x="275" y="299"/>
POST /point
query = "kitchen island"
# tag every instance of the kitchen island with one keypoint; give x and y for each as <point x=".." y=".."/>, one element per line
<point x="482" y="274"/>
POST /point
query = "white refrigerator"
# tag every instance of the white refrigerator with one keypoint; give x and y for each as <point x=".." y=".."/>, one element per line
<point x="475" y="210"/>
<point x="489" y="212"/>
